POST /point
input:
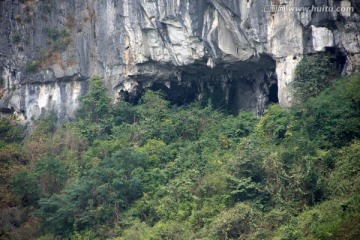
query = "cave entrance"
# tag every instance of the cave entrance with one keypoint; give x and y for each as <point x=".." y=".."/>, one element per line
<point x="6" y="110"/>
<point x="248" y="86"/>
<point x="177" y="94"/>
<point x="273" y="93"/>
<point x="337" y="58"/>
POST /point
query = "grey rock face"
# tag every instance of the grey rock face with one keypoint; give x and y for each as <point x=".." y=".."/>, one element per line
<point x="237" y="50"/>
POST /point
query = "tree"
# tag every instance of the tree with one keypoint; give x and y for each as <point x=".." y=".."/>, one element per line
<point x="51" y="175"/>
<point x="97" y="198"/>
<point x="94" y="120"/>
<point x="25" y="185"/>
<point x="95" y="103"/>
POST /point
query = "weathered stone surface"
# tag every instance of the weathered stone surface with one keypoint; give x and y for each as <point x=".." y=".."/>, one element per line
<point x="321" y="38"/>
<point x="49" y="49"/>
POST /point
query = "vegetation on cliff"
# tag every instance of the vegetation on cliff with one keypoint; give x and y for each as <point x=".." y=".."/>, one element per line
<point x="160" y="171"/>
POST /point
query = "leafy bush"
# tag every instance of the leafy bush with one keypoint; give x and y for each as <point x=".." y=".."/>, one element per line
<point x="59" y="39"/>
<point x="16" y="37"/>
<point x="97" y="198"/>
<point x="274" y="123"/>
<point x="332" y="119"/>
<point x="54" y="33"/>
<point x="170" y="231"/>
<point x="32" y="66"/>
<point x="235" y="223"/>
<point x="10" y="132"/>
<point x="25" y="186"/>
<point x="313" y="74"/>
<point x="49" y="5"/>
<point x="51" y="175"/>
<point x="93" y="114"/>
<point x="346" y="179"/>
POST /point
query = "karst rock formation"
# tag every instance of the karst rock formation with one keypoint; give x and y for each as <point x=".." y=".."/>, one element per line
<point x="243" y="51"/>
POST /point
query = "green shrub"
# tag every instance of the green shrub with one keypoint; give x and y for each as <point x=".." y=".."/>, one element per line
<point x="95" y="103"/>
<point x="49" y="5"/>
<point x="99" y="196"/>
<point x="235" y="223"/>
<point x="170" y="231"/>
<point x="47" y="123"/>
<point x="10" y="132"/>
<point x="16" y="37"/>
<point x="26" y="187"/>
<point x="31" y="67"/>
<point x="137" y="231"/>
<point x="54" y="33"/>
<point x="346" y="179"/>
<point x="313" y="74"/>
<point x="353" y="89"/>
<point x="332" y="119"/>
<point x="274" y="124"/>
<point x="51" y="175"/>
<point x="59" y="39"/>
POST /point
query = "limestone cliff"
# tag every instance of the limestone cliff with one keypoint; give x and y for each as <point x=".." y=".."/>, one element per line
<point x="244" y="51"/>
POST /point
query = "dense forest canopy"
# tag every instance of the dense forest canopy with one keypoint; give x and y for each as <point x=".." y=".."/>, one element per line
<point x="160" y="171"/>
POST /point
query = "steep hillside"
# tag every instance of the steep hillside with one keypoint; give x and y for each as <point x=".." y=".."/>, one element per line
<point x="160" y="171"/>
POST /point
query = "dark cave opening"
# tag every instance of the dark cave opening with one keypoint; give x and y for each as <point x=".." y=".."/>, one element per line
<point x="337" y="58"/>
<point x="175" y="93"/>
<point x="234" y="87"/>
<point x="6" y="110"/>
<point x="273" y="93"/>
<point x="248" y="86"/>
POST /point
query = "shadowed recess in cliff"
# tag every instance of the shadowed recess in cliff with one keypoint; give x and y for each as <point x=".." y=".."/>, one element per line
<point x="337" y="58"/>
<point x="249" y="85"/>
